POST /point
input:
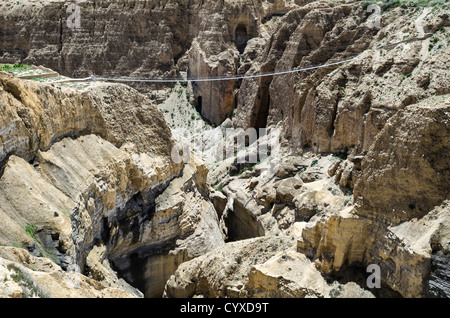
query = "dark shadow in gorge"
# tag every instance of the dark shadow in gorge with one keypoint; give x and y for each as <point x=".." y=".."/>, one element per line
<point x="129" y="253"/>
<point x="357" y="273"/>
<point x="241" y="223"/>
<point x="241" y="38"/>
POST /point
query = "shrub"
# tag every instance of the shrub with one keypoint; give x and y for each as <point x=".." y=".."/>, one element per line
<point x="30" y="229"/>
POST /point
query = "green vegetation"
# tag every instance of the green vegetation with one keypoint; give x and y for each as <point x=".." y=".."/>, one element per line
<point x="13" y="67"/>
<point x="31" y="229"/>
<point x="433" y="42"/>
<point x="16" y="245"/>
<point x="335" y="292"/>
<point x="341" y="156"/>
<point x="18" y="275"/>
<point x="347" y="191"/>
<point x="406" y="76"/>
<point x="42" y="80"/>
<point x="245" y="169"/>
<point x="219" y="187"/>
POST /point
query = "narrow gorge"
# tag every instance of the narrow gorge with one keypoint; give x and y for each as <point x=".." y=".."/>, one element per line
<point x="236" y="148"/>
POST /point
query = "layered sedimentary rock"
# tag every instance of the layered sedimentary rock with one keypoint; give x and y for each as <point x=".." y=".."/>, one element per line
<point x="318" y="107"/>
<point x="262" y="267"/>
<point x="143" y="39"/>
<point x="182" y="225"/>
<point x="384" y="228"/>
<point x="362" y="178"/>
<point x="100" y="206"/>
<point x="211" y="38"/>
<point x="405" y="172"/>
<point x="411" y="256"/>
<point x="34" y="116"/>
<point x="313" y="197"/>
<point x="26" y="276"/>
<point x="258" y="202"/>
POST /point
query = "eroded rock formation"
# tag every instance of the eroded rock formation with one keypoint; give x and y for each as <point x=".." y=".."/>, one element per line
<point x="94" y="206"/>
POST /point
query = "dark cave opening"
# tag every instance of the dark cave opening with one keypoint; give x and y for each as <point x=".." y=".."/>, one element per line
<point x="242" y="224"/>
<point x="199" y="105"/>
<point x="137" y="271"/>
<point x="260" y="120"/>
<point x="357" y="273"/>
<point x="240" y="38"/>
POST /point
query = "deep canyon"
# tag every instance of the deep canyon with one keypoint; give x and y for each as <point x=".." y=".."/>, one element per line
<point x="353" y="112"/>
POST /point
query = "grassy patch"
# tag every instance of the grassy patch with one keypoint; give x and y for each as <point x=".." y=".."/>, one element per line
<point x="16" y="245"/>
<point x="335" y="292"/>
<point x="13" y="67"/>
<point x="30" y="229"/>
<point x="26" y="282"/>
<point x="245" y="169"/>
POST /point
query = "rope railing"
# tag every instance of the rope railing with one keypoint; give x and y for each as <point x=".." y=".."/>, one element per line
<point x="205" y="79"/>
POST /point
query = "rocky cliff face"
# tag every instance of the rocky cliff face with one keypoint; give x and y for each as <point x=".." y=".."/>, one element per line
<point x="385" y="118"/>
<point x="35" y="116"/>
<point x="317" y="107"/>
<point x="141" y="39"/>
<point x="93" y="204"/>
<point x="210" y="38"/>
<point x="409" y="152"/>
